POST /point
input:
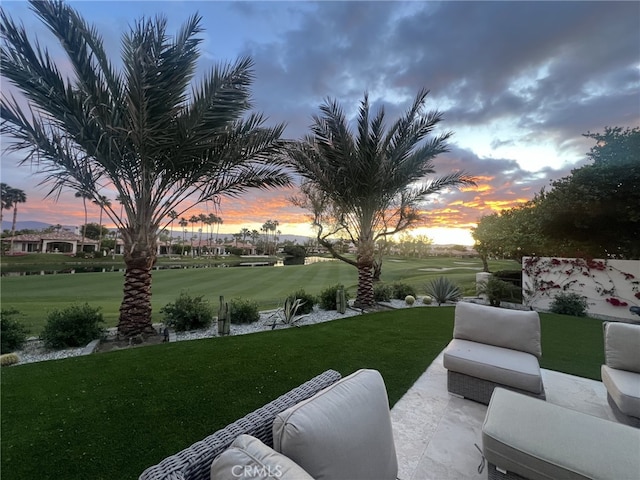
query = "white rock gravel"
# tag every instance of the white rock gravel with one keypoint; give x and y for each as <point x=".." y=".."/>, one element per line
<point x="35" y="352"/>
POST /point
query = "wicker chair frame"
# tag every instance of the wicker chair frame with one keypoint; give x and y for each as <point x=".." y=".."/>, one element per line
<point x="478" y="389"/>
<point x="194" y="462"/>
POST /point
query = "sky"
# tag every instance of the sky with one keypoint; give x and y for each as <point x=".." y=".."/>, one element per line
<point x="518" y="84"/>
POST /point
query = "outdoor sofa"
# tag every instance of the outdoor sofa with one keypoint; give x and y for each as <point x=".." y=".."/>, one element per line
<point x="327" y="428"/>
<point x="527" y="438"/>
<point x="621" y="371"/>
<point x="493" y="347"/>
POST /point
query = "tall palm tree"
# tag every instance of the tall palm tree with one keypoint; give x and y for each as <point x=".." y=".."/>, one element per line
<point x="245" y="233"/>
<point x="173" y="215"/>
<point x="369" y="184"/>
<point x="193" y="220"/>
<point x="11" y="197"/>
<point x="147" y="131"/>
<point x="4" y="198"/>
<point x="102" y="202"/>
<point x="183" y="224"/>
<point x="84" y="195"/>
<point x="255" y="236"/>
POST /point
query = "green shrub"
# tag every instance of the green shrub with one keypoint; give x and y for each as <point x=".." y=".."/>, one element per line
<point x="401" y="290"/>
<point x="307" y="301"/>
<point x="327" y="298"/>
<point x="382" y="292"/>
<point x="74" y="326"/>
<point x="244" y="311"/>
<point x="497" y="290"/>
<point x="410" y="300"/>
<point x="12" y="333"/>
<point x="443" y="290"/>
<point x="188" y="313"/>
<point x="569" y="304"/>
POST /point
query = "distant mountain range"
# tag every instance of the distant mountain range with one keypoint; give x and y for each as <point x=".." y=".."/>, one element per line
<point x="29" y="225"/>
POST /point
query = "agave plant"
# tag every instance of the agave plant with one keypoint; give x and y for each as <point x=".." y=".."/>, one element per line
<point x="288" y="314"/>
<point x="443" y="290"/>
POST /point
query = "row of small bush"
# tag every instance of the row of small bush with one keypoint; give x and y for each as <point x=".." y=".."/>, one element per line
<point x="384" y="292"/>
<point x="440" y="290"/>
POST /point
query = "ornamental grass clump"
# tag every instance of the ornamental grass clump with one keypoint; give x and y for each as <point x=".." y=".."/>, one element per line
<point x="443" y="290"/>
<point x="74" y="326"/>
<point x="188" y="313"/>
<point x="8" y="359"/>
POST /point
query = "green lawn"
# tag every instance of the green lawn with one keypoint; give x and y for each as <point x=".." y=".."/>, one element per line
<point x="109" y="416"/>
<point x="35" y="296"/>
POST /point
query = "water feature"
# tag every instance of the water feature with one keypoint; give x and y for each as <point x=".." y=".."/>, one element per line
<point x="66" y="270"/>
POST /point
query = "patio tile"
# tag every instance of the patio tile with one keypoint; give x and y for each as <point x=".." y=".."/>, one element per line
<point x="435" y="432"/>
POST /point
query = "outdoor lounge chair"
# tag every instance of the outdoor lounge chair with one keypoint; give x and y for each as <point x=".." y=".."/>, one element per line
<point x="493" y="347"/>
<point x="621" y="371"/>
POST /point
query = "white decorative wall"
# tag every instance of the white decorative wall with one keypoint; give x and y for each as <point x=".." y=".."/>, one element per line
<point x="610" y="286"/>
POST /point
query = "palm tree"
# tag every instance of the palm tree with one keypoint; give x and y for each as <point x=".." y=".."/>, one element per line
<point x="4" y="192"/>
<point x="84" y="194"/>
<point x="193" y="220"/>
<point x="255" y="236"/>
<point x="183" y="224"/>
<point x="148" y="131"/>
<point x="245" y="233"/>
<point x="173" y="215"/>
<point x="11" y="197"/>
<point x="368" y="185"/>
<point x="102" y="202"/>
<point x="203" y="220"/>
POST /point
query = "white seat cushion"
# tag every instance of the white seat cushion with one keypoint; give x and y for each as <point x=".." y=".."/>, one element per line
<point x="496" y="364"/>
<point x="542" y="441"/>
<point x="624" y="389"/>
<point x="343" y="432"/>
<point x="249" y="459"/>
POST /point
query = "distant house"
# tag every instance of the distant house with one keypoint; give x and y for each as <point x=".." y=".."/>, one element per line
<point x="54" y="242"/>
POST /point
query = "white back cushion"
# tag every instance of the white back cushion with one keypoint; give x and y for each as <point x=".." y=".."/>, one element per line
<point x="501" y="327"/>
<point x="622" y="346"/>
<point x="343" y="432"/>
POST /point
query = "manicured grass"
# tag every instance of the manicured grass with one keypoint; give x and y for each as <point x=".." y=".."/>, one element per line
<point x="111" y="415"/>
<point x="572" y="345"/>
<point x="35" y="296"/>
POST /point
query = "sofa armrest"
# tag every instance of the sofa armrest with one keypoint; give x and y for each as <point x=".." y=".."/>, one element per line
<point x="194" y="462"/>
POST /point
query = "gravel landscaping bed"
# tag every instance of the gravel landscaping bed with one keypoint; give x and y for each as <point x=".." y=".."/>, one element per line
<point x="34" y="350"/>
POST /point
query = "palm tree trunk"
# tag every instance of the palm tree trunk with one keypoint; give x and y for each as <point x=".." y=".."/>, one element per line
<point x="100" y="233"/>
<point x="365" y="261"/>
<point x="364" y="295"/>
<point x="13" y="226"/>
<point x="135" y="310"/>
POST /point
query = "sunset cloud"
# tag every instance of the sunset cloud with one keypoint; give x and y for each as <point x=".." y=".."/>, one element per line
<point x="517" y="82"/>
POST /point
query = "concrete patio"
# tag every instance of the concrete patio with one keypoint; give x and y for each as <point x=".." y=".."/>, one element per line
<point x="436" y="433"/>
